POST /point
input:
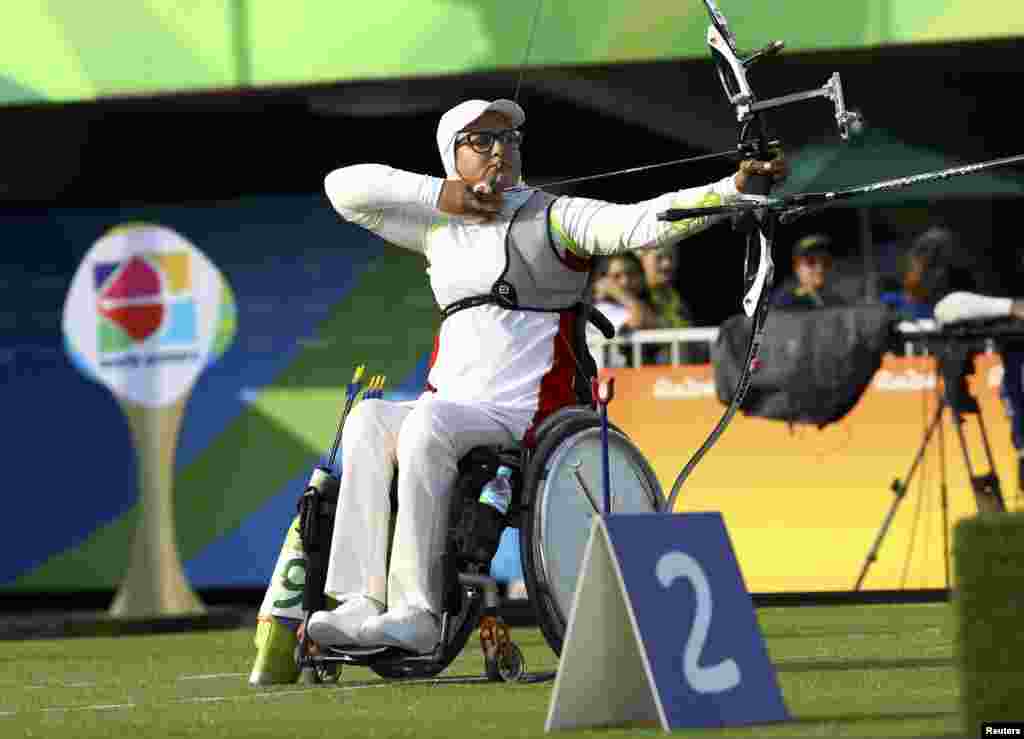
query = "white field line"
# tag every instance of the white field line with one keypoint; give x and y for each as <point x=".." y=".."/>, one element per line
<point x="214" y="676"/>
<point x="227" y="698"/>
<point x="96" y="707"/>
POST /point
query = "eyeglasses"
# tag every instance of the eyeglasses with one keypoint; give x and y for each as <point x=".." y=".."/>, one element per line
<point x="482" y="142"/>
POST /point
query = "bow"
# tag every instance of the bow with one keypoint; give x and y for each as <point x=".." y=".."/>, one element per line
<point x="758" y="224"/>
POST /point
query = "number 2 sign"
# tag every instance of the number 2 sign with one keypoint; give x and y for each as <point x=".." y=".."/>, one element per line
<point x="726" y="674"/>
<point x="663" y="630"/>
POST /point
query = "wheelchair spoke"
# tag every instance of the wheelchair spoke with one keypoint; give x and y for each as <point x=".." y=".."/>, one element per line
<point x="583" y="486"/>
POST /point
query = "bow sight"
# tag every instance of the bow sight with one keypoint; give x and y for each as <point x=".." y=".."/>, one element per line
<point x="732" y="73"/>
<point x="754" y="143"/>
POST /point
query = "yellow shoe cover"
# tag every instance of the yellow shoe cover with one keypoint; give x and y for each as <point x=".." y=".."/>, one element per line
<point x="275" y="661"/>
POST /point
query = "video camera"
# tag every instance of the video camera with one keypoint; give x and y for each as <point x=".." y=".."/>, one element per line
<point x="815" y="365"/>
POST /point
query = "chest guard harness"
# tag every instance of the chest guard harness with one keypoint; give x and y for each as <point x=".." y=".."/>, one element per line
<point x="536" y="278"/>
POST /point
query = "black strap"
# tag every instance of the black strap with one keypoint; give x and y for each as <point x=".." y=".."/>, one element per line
<point x="471" y="302"/>
<point x="592" y="315"/>
<point x="502" y="294"/>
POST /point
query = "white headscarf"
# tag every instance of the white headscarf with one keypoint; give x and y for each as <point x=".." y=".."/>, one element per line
<point x="461" y="116"/>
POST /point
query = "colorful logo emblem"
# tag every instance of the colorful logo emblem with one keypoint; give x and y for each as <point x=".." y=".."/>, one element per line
<point x="145" y="300"/>
<point x="146" y="313"/>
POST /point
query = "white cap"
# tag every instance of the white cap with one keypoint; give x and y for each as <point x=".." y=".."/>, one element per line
<point x="461" y="116"/>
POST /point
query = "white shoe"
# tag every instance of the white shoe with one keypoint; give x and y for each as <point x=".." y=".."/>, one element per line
<point x="341" y="626"/>
<point x="412" y="629"/>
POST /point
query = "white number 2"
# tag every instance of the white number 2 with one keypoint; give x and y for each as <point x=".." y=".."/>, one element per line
<point x="715" y="678"/>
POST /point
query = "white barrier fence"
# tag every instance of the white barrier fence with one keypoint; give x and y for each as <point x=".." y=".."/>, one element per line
<point x="680" y="342"/>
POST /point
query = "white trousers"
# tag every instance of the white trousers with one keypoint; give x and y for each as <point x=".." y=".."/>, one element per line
<point x="426" y="438"/>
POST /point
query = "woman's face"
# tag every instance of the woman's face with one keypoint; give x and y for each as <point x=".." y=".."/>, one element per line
<point x="659" y="266"/>
<point x="503" y="161"/>
<point x="626" y="275"/>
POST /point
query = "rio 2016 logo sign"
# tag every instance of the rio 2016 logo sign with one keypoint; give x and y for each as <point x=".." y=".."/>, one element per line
<point x="145" y="302"/>
<point x="146" y="313"/>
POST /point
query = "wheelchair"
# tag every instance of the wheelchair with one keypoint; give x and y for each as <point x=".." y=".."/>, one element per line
<point x="557" y="489"/>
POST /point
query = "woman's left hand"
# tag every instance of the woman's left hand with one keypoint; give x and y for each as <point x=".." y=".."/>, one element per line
<point x="777" y="169"/>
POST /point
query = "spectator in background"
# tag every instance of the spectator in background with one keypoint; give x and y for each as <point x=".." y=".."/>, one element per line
<point x="927" y="275"/>
<point x="812" y="264"/>
<point x="620" y="292"/>
<point x="659" y="267"/>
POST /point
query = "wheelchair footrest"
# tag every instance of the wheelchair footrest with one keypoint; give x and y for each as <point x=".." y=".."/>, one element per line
<point x="355" y="651"/>
<point x="370" y="656"/>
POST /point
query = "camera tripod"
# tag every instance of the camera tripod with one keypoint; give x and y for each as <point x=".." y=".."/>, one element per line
<point x="955" y="364"/>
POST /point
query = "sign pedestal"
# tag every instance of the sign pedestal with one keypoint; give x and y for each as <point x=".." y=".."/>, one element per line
<point x="155" y="583"/>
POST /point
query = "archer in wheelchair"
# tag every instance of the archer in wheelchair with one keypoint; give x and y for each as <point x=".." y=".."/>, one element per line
<point x="509" y="264"/>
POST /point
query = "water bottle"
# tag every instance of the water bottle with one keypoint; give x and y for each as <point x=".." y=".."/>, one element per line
<point x="498" y="492"/>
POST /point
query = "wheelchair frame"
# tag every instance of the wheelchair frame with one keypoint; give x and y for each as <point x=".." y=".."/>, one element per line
<point x="471" y="594"/>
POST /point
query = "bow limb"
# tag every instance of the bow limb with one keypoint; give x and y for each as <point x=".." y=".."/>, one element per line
<point x="758" y="226"/>
<point x="761" y="282"/>
<point x="757" y="299"/>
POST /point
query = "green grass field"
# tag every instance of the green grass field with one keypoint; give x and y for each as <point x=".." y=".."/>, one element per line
<point x="885" y="670"/>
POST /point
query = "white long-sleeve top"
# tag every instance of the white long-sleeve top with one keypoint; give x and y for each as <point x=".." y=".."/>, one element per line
<point x="513" y="361"/>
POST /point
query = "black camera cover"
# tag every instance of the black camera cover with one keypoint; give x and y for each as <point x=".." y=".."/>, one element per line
<point x="814" y="365"/>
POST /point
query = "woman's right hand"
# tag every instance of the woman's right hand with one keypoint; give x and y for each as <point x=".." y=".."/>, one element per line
<point x="480" y="204"/>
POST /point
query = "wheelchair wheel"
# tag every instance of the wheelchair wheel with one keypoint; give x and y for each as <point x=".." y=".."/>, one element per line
<point x="557" y="515"/>
<point x="461" y="627"/>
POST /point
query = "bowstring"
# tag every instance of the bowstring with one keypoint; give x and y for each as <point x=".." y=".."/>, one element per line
<point x="515" y="99"/>
<point x="529" y="49"/>
<point x="642" y="168"/>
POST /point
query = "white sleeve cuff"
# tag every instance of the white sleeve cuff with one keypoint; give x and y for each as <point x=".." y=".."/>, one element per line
<point x="430" y="191"/>
<point x="964" y="306"/>
<point x="726" y="188"/>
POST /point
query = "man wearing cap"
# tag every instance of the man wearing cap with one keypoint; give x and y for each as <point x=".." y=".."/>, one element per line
<point x="507" y="264"/>
<point x="812" y="262"/>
